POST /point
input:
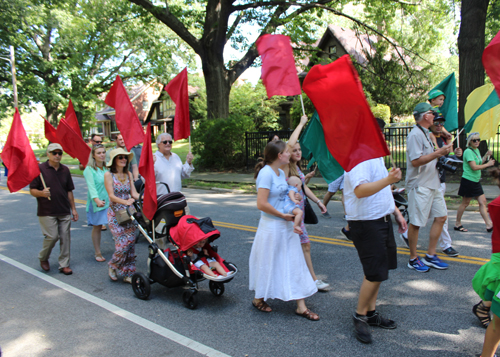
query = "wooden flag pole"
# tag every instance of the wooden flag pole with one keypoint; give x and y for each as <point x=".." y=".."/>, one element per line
<point x="189" y="143"/>
<point x="302" y="102"/>
<point x="43" y="182"/>
<point x="456" y="137"/>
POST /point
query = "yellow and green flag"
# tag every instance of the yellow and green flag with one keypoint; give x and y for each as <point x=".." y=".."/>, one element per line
<point x="482" y="111"/>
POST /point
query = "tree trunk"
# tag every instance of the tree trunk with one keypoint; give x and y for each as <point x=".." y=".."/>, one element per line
<point x="51" y="112"/>
<point x="218" y="86"/>
<point x="470" y="48"/>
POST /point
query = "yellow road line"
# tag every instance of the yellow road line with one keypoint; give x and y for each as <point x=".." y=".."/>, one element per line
<point x="344" y="243"/>
<point x="326" y="240"/>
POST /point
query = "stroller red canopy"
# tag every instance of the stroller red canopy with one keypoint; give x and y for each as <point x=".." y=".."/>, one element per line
<point x="188" y="234"/>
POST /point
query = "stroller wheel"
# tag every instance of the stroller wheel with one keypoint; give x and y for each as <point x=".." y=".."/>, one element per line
<point x="190" y="300"/>
<point x="141" y="286"/>
<point x="216" y="288"/>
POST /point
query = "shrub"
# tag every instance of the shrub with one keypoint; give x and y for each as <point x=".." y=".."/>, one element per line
<point x="220" y="143"/>
<point x="382" y="111"/>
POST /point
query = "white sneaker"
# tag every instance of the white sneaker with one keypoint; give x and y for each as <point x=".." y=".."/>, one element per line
<point x="321" y="285"/>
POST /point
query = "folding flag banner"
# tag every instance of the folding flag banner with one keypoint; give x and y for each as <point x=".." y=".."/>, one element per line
<point x="313" y="146"/>
<point x="18" y="157"/>
<point x="279" y="74"/>
<point x="352" y="134"/>
<point x="491" y="61"/>
<point x="177" y="89"/>
<point x="147" y="170"/>
<point x="126" y="117"/>
<point x="72" y="120"/>
<point x="72" y="143"/>
<point x="482" y="111"/>
<point x="449" y="108"/>
<point x="50" y="132"/>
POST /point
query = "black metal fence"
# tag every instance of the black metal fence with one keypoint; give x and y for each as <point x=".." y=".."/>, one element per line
<point x="394" y="135"/>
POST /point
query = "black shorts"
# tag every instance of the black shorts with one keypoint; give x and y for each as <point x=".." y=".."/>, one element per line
<point x="377" y="249"/>
<point x="470" y="188"/>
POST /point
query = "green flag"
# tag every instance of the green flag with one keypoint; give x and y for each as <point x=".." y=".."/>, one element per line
<point x="449" y="108"/>
<point x="313" y="146"/>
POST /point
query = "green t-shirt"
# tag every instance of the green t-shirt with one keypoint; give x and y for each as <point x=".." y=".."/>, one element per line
<point x="472" y="155"/>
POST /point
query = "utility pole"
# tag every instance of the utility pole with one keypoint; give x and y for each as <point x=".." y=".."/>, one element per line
<point x="12" y="62"/>
<point x="14" y="82"/>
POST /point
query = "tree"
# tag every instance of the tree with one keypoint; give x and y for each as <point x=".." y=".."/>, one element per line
<point x="206" y="26"/>
<point x="471" y="43"/>
<point x="73" y="49"/>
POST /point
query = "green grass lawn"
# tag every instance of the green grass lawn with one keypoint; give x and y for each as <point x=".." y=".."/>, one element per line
<point x="180" y="147"/>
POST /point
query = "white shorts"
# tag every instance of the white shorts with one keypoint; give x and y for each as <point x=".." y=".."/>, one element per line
<point x="423" y="203"/>
<point x="336" y="185"/>
<point x="200" y="263"/>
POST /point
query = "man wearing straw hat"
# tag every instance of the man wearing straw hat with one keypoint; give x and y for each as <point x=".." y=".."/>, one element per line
<point x="53" y="190"/>
<point x="422" y="184"/>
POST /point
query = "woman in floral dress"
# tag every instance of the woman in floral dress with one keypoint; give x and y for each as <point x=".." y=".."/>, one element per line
<point x="121" y="195"/>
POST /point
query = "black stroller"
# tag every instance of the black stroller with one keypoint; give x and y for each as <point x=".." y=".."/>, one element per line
<point x="172" y="267"/>
<point x="401" y="203"/>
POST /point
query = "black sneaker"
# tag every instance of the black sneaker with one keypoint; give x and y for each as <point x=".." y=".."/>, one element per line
<point x="405" y="239"/>
<point x="361" y="329"/>
<point x="346" y="234"/>
<point x="326" y="215"/>
<point x="379" y="321"/>
<point x="450" y="252"/>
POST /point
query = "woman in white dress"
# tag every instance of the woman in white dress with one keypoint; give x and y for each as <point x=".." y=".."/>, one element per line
<point x="278" y="269"/>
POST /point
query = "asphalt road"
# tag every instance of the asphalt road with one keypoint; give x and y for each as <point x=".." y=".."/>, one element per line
<point x="86" y="314"/>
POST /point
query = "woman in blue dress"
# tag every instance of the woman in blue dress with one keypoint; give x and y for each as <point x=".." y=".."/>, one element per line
<point x="97" y="197"/>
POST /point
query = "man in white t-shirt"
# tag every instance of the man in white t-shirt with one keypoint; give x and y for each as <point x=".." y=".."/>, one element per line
<point x="168" y="165"/>
<point x="369" y="204"/>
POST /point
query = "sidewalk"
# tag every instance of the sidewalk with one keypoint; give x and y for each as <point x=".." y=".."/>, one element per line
<point x="491" y="192"/>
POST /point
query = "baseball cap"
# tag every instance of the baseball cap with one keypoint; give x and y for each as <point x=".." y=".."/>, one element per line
<point x="435" y="93"/>
<point x="422" y="108"/>
<point x="54" y="146"/>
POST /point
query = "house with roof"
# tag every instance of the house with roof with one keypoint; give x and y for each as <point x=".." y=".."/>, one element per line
<point x="142" y="97"/>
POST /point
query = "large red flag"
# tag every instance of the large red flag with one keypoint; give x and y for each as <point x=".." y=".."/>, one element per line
<point x="19" y="157"/>
<point x="72" y="143"/>
<point x="177" y="89"/>
<point x="50" y="132"/>
<point x="352" y="134"/>
<point x="491" y="61"/>
<point x="279" y="74"/>
<point x="126" y="117"/>
<point x="147" y="170"/>
<point x="72" y="120"/>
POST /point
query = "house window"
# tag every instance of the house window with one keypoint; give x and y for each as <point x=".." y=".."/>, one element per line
<point x="332" y="50"/>
<point x="145" y="105"/>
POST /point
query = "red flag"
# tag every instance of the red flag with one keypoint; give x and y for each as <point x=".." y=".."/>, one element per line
<point x="50" y="132"/>
<point x="147" y="170"/>
<point x="126" y="117"/>
<point x="72" y="143"/>
<point x="279" y="74"/>
<point x="72" y="120"/>
<point x="491" y="61"/>
<point x="19" y="157"/>
<point x="352" y="134"/>
<point x="177" y="89"/>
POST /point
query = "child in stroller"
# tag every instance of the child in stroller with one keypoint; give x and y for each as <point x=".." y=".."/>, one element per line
<point x="203" y="261"/>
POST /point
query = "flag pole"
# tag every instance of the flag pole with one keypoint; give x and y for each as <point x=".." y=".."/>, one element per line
<point x="302" y="102"/>
<point x="43" y="182"/>
<point x="456" y="137"/>
<point x="189" y="143"/>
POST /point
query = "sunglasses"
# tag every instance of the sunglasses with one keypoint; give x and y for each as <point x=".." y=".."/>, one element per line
<point x="165" y="142"/>
<point x="59" y="153"/>
<point x="122" y="157"/>
<point x="438" y="123"/>
<point x="476" y="140"/>
<point x="97" y="142"/>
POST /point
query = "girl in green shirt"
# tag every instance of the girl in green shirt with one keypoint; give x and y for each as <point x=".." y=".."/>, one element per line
<point x="470" y="187"/>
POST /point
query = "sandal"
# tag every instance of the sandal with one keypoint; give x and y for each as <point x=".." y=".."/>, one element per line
<point x="308" y="314"/>
<point x="262" y="306"/>
<point x="483" y="313"/>
<point x="100" y="258"/>
<point x="112" y="274"/>
<point x="461" y="229"/>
